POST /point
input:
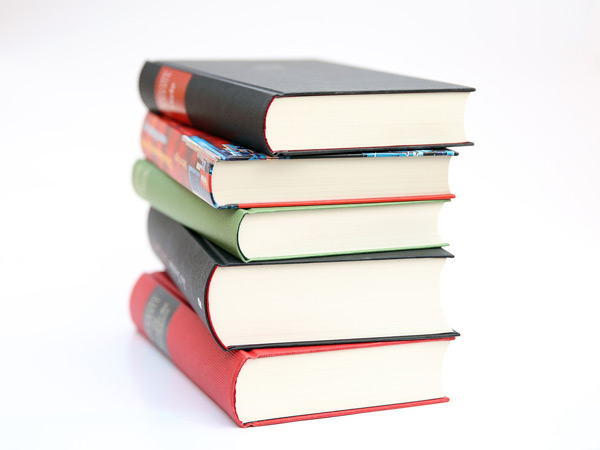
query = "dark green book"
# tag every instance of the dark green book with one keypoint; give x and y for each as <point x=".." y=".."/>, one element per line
<point x="293" y="232"/>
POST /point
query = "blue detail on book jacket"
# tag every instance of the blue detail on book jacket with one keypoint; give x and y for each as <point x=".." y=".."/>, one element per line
<point x="411" y="153"/>
<point x="232" y="152"/>
<point x="198" y="181"/>
<point x="228" y="152"/>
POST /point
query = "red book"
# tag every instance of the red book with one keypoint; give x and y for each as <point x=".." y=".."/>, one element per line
<point x="226" y="175"/>
<point x="268" y="386"/>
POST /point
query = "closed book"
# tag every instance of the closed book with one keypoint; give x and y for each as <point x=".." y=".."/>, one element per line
<point x="361" y="297"/>
<point x="269" y="386"/>
<point x="226" y="175"/>
<point x="306" y="106"/>
<point x="293" y="232"/>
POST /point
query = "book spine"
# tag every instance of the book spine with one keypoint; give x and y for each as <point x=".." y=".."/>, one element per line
<point x="163" y="318"/>
<point x="188" y="264"/>
<point x="163" y="145"/>
<point x="231" y="110"/>
<point x="167" y="196"/>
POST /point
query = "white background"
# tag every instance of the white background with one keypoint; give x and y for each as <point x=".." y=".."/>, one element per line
<point x="523" y="289"/>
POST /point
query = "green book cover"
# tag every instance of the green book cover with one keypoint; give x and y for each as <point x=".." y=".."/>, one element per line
<point x="169" y="197"/>
<point x="221" y="226"/>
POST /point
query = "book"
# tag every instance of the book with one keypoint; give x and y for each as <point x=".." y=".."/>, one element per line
<point x="361" y="297"/>
<point x="307" y="106"/>
<point x="226" y="175"/>
<point x="293" y="232"/>
<point x="269" y="386"/>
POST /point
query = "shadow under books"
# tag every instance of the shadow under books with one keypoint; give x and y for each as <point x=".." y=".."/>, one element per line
<point x="163" y="387"/>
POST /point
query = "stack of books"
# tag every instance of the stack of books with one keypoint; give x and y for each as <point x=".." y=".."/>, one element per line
<point x="294" y="205"/>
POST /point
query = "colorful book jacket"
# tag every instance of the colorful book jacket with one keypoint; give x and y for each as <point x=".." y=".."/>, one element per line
<point x="221" y="226"/>
<point x="188" y="156"/>
<point x="162" y="316"/>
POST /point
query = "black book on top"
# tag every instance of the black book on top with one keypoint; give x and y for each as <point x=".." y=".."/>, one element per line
<point x="306" y="107"/>
<point x="366" y="297"/>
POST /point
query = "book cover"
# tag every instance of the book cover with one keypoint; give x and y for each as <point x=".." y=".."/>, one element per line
<point x="166" y="195"/>
<point x="162" y="316"/>
<point x="189" y="155"/>
<point x="231" y="98"/>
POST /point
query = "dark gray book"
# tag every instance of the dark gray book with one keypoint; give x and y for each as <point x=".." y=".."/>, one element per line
<point x="367" y="297"/>
<point x="306" y="107"/>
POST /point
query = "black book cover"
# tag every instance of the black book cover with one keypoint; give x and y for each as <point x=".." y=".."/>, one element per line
<point x="230" y="98"/>
<point x="190" y="261"/>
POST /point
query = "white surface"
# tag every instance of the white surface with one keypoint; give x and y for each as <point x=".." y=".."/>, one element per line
<point x="523" y="289"/>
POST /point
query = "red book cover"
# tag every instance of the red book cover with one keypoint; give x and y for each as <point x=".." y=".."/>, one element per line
<point x="162" y="316"/>
<point x="189" y="156"/>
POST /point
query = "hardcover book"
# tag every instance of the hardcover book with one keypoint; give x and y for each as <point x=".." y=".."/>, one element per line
<point x="365" y="297"/>
<point x="269" y="386"/>
<point x="293" y="232"/>
<point x="287" y="107"/>
<point x="226" y="175"/>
